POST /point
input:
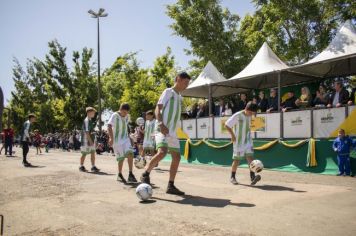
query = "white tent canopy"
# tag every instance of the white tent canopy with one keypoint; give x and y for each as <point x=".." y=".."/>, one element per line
<point x="208" y="78"/>
<point x="261" y="72"/>
<point x="264" y="61"/>
<point x="338" y="59"/>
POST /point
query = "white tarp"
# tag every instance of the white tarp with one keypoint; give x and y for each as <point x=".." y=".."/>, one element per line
<point x="261" y="72"/>
<point x="338" y="59"/>
<point x="264" y="61"/>
<point x="208" y="77"/>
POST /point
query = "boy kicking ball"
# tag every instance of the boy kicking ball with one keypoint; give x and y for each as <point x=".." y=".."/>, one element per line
<point x="238" y="126"/>
<point x="88" y="140"/>
<point x="120" y="141"/>
<point x="168" y="111"/>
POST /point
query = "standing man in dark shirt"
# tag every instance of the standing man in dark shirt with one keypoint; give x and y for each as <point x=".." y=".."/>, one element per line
<point x="25" y="138"/>
<point x="262" y="102"/>
<point x="242" y="103"/>
<point x="339" y="97"/>
<point x="220" y="109"/>
<point x="272" y="101"/>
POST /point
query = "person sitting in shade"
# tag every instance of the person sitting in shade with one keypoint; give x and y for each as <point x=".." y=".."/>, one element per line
<point x="289" y="103"/>
<point x="272" y="101"/>
<point x="305" y="99"/>
<point x="342" y="146"/>
<point x="321" y="98"/>
<point x="339" y="97"/>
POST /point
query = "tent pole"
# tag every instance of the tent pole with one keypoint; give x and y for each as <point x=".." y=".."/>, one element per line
<point x="210" y="100"/>
<point x="279" y="91"/>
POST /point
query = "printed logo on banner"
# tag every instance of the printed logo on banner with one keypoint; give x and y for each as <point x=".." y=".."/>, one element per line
<point x="203" y="126"/>
<point x="297" y="121"/>
<point x="190" y="127"/>
<point x="327" y="119"/>
<point x="258" y="124"/>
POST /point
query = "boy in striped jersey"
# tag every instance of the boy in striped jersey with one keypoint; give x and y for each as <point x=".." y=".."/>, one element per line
<point x="238" y="126"/>
<point x="148" y="142"/>
<point x="88" y="140"/>
<point x="168" y="111"/>
<point x="120" y="141"/>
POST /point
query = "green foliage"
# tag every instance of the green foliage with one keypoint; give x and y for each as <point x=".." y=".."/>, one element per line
<point x="49" y="89"/>
<point x="125" y="81"/>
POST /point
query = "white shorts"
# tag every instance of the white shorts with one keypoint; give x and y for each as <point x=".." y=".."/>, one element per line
<point x="122" y="149"/>
<point x="170" y="142"/>
<point x="148" y="144"/>
<point x="240" y="152"/>
<point x="85" y="150"/>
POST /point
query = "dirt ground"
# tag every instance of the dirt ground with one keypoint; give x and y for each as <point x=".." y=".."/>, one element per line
<point x="56" y="199"/>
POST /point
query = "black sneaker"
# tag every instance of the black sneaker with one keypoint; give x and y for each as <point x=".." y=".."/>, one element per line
<point x="82" y="169"/>
<point x="121" y="178"/>
<point x="26" y="164"/>
<point x="94" y="169"/>
<point x="173" y="190"/>
<point x="233" y="180"/>
<point x="132" y="178"/>
<point x="340" y="174"/>
<point x="145" y="179"/>
<point x="256" y="179"/>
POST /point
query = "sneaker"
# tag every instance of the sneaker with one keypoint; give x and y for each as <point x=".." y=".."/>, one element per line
<point x="233" y="180"/>
<point x="121" y="178"/>
<point x="340" y="174"/>
<point x="26" y="164"/>
<point x="173" y="190"/>
<point x="145" y="179"/>
<point x="132" y="178"/>
<point x="256" y="179"/>
<point x="82" y="169"/>
<point x="94" y="169"/>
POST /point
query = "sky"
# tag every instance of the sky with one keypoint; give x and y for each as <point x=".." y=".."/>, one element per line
<point x="132" y="25"/>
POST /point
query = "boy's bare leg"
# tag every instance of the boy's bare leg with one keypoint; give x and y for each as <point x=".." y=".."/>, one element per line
<point x="162" y="152"/>
<point x="174" y="165"/>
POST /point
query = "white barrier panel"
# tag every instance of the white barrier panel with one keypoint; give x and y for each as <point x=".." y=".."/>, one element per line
<point x="219" y="127"/>
<point x="351" y="108"/>
<point x="297" y="124"/>
<point x="273" y="128"/>
<point x="205" y="128"/>
<point x="327" y="120"/>
<point x="189" y="127"/>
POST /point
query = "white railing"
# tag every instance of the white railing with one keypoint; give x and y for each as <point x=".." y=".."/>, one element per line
<point x="316" y="123"/>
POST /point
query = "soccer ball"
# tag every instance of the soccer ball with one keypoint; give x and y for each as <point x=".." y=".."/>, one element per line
<point x="140" y="121"/>
<point x="140" y="162"/>
<point x="144" y="192"/>
<point x="256" y="166"/>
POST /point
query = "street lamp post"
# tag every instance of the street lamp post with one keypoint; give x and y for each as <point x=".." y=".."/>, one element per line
<point x="100" y="13"/>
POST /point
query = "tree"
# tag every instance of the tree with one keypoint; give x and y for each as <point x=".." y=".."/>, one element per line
<point x="48" y="88"/>
<point x="212" y="32"/>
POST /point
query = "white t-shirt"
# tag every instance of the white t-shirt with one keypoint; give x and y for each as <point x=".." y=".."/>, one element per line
<point x="119" y="126"/>
<point x="240" y="124"/>
<point x="336" y="98"/>
<point x="171" y="111"/>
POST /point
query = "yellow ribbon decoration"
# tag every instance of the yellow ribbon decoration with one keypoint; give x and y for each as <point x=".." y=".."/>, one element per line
<point x="266" y="145"/>
<point x="293" y="145"/>
<point x="311" y="150"/>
